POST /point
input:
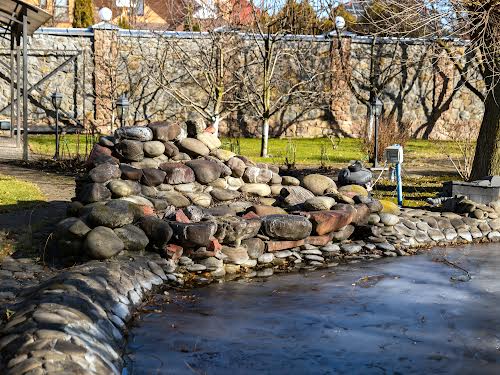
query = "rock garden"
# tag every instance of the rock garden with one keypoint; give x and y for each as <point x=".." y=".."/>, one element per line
<point x="165" y="204"/>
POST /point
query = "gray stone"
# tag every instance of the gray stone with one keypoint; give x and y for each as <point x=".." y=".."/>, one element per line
<point x="158" y="231"/>
<point x="388" y="219"/>
<point x="193" y="234"/>
<point x="136" y="133"/>
<point x="464" y="234"/>
<point x="224" y="195"/>
<point x="130" y="173"/>
<point x="153" y="148"/>
<point x="291" y="181"/>
<point x="102" y="243"/>
<point x="235" y="229"/>
<point x="112" y="215"/>
<point x="208" y="139"/>
<point x="318" y="184"/>
<point x="200" y="199"/>
<point x="164" y="131"/>
<point x="331" y="248"/>
<point x="124" y="188"/>
<point x="265" y="258"/>
<point x="286" y="227"/>
<point x="152" y="177"/>
<point x="193" y="147"/>
<point x="256" y="175"/>
<point x="235" y="255"/>
<point x="196" y="267"/>
<point x="255" y="247"/>
<point x="294" y="195"/>
<point x="237" y="166"/>
<point x="171" y="149"/>
<point x="104" y="172"/>
<point x="131" y="150"/>
<point x="212" y="263"/>
<point x="133" y="238"/>
<point x="206" y="171"/>
<point x="282" y="254"/>
<point x="177" y="173"/>
<point x="262" y="190"/>
<point x="174" y="198"/>
<point x="95" y="192"/>
<point x="319" y="203"/>
<point x="351" y="248"/>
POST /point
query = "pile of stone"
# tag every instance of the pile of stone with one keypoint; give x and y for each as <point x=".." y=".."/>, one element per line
<point x="171" y="189"/>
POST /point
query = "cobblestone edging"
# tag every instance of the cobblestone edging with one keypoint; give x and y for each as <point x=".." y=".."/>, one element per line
<point x="74" y="322"/>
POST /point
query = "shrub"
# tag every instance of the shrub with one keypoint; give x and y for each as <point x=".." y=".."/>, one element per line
<point x="83" y="14"/>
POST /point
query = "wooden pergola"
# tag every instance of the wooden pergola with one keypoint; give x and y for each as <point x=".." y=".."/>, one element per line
<point x="18" y="21"/>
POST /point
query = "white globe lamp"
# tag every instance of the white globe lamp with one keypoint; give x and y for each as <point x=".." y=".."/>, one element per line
<point x="339" y="23"/>
<point x="105" y="14"/>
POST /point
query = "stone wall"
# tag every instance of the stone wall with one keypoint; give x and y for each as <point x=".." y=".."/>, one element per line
<point x="415" y="88"/>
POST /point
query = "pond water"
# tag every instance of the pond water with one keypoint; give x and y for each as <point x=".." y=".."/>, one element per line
<point x="405" y="315"/>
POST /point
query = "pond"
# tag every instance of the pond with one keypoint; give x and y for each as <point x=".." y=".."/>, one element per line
<point x="438" y="312"/>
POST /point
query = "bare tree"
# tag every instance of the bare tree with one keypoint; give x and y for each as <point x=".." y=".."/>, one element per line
<point x="280" y="72"/>
<point x="475" y="23"/>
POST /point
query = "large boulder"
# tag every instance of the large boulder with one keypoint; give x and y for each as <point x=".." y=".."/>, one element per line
<point x="102" y="243"/>
<point x="93" y="192"/>
<point x="135" y="133"/>
<point x="193" y="234"/>
<point x="104" y="172"/>
<point x="177" y="173"/>
<point x="225" y="171"/>
<point x="163" y="131"/>
<point x="158" y="231"/>
<point x="206" y="171"/>
<point x="69" y="235"/>
<point x="124" y="188"/>
<point x="286" y="227"/>
<point x="133" y="238"/>
<point x="318" y="184"/>
<point x="193" y="147"/>
<point x="131" y="150"/>
<point x="112" y="215"/>
<point x="130" y="173"/>
<point x="154" y="148"/>
<point x="329" y="221"/>
<point x="293" y="195"/>
<point x="152" y="176"/>
<point x="100" y="154"/>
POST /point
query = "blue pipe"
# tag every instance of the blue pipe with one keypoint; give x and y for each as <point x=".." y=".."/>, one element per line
<point x="400" y="184"/>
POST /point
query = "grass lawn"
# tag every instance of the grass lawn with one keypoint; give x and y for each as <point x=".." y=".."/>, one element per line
<point x="17" y="192"/>
<point x="305" y="151"/>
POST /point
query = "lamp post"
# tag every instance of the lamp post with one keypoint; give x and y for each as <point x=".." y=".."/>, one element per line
<point x="122" y="105"/>
<point x="56" y="99"/>
<point x="377" y="107"/>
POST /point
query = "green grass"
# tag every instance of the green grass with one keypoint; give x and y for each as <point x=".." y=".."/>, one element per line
<point x="307" y="151"/>
<point x="415" y="189"/>
<point x="44" y="144"/>
<point x="17" y="192"/>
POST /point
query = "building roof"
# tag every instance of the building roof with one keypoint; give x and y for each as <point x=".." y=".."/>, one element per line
<point x="11" y="16"/>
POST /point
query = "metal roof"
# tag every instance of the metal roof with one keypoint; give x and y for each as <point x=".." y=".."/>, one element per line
<point x="11" y="16"/>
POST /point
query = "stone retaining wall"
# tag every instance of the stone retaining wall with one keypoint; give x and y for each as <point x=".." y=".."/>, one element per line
<point x="112" y="62"/>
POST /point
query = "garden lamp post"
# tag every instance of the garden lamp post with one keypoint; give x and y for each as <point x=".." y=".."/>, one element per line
<point x="122" y="105"/>
<point x="56" y="99"/>
<point x="376" y="107"/>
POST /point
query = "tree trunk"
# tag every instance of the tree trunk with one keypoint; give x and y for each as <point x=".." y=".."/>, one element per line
<point x="265" y="138"/>
<point x="216" y="125"/>
<point x="487" y="156"/>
